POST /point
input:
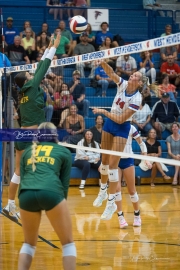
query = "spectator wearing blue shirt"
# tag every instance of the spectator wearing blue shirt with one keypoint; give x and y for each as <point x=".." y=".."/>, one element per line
<point x="146" y="64"/>
<point x="10" y="32"/>
<point x="103" y="80"/>
<point x="77" y="90"/>
<point x="101" y="35"/>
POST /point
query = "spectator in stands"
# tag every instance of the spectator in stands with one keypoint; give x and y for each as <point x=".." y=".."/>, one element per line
<point x="77" y="89"/>
<point x="164" y="113"/>
<point x="42" y="43"/>
<point x="168" y="31"/>
<point x="125" y="66"/>
<point x="153" y="5"/>
<point x="101" y="35"/>
<point x="171" y="69"/>
<point x="66" y="33"/>
<point x="97" y="129"/>
<point x="146" y="64"/>
<point x="27" y="24"/>
<point x="90" y="34"/>
<point x="62" y="101"/>
<point x="48" y="100"/>
<point x="166" y="87"/>
<point x="82" y="48"/>
<point x="74" y="124"/>
<point x="146" y="93"/>
<point x="64" y="42"/>
<point x="28" y="44"/>
<point x="173" y="145"/>
<point x="44" y="28"/>
<point x="165" y="52"/>
<point x="108" y="44"/>
<point x="55" y="11"/>
<point x="85" y="160"/>
<point x="141" y="119"/>
<point x="154" y="149"/>
<point x="16" y="53"/>
<point x="10" y="32"/>
<point x="103" y="80"/>
<point x="80" y="3"/>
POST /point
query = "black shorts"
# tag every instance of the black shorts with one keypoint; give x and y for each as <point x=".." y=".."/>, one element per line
<point x="33" y="200"/>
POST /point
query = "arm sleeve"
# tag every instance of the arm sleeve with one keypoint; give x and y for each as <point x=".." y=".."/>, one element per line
<point x="43" y="67"/>
<point x="65" y="172"/>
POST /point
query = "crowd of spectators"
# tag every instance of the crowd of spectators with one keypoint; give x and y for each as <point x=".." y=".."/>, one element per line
<point x="66" y="104"/>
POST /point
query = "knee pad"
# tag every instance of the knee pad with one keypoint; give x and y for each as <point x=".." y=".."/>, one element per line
<point x="104" y="169"/>
<point x="113" y="175"/>
<point x="118" y="196"/>
<point x="69" y="250"/>
<point x="15" y="179"/>
<point x="134" y="198"/>
<point x="28" y="249"/>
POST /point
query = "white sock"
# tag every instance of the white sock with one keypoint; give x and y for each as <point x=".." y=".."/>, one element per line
<point x="103" y="186"/>
<point x="83" y="182"/>
<point x="111" y="197"/>
<point x="11" y="201"/>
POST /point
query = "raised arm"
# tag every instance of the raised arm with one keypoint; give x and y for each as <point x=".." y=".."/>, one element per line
<point x="109" y="71"/>
<point x="46" y="61"/>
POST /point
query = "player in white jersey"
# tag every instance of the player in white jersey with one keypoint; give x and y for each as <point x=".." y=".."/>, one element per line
<point x="126" y="166"/>
<point x="115" y="132"/>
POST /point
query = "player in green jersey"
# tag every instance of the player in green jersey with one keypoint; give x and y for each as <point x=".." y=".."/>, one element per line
<point x="32" y="114"/>
<point x="45" y="175"/>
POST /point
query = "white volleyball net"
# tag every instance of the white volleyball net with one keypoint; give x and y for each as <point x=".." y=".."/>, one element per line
<point x="62" y="71"/>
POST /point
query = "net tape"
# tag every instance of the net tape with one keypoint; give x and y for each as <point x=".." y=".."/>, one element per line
<point x="122" y="154"/>
<point x="138" y="47"/>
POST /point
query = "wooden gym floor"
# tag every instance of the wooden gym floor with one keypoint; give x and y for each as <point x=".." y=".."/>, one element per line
<point x="102" y="245"/>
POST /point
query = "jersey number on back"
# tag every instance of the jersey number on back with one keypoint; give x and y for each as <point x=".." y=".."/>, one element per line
<point x="120" y="103"/>
<point x="44" y="148"/>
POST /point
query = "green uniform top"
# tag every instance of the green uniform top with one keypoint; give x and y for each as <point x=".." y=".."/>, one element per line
<point x="61" y="48"/>
<point x="32" y="101"/>
<point x="53" y="168"/>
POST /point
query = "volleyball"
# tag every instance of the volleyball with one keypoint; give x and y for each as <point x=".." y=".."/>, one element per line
<point x="78" y="24"/>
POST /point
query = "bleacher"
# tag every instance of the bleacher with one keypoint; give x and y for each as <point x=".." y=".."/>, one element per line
<point x="128" y="19"/>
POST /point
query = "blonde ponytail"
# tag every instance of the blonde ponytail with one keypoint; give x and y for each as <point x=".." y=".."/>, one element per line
<point x="33" y="155"/>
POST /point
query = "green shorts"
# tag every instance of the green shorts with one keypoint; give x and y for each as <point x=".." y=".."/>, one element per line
<point x="33" y="200"/>
<point x="20" y="146"/>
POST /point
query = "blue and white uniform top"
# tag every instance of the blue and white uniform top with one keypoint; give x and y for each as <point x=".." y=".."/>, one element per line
<point x="122" y="100"/>
<point x="133" y="134"/>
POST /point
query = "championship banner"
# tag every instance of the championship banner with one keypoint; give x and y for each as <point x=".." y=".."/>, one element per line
<point x="138" y="47"/>
<point x="96" y="16"/>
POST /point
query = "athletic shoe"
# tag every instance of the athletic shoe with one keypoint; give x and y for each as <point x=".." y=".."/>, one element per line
<point x="102" y="196"/>
<point x="137" y="221"/>
<point x="109" y="211"/>
<point x="122" y="222"/>
<point x="10" y="211"/>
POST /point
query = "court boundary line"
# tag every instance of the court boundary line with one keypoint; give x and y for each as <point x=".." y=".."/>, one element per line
<point x="39" y="236"/>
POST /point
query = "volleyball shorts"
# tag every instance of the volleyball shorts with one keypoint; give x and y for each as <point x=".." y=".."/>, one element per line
<point x="117" y="130"/>
<point x="36" y="200"/>
<point x="125" y="163"/>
